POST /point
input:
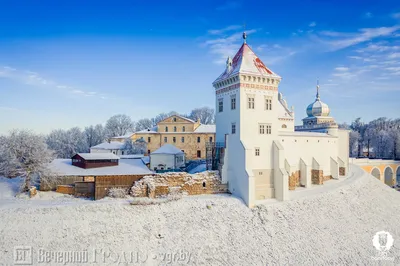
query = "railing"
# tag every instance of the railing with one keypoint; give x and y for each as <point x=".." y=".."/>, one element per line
<point x="316" y="126"/>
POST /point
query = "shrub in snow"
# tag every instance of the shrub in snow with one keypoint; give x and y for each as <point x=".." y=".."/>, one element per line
<point x="117" y="192"/>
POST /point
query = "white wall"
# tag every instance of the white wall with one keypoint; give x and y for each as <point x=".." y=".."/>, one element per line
<point x="309" y="147"/>
<point x="116" y="152"/>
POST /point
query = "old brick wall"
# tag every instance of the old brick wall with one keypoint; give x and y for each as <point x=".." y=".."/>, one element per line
<point x="317" y="177"/>
<point x="162" y="184"/>
<point x="104" y="183"/>
<point x="342" y="171"/>
<point x="294" y="180"/>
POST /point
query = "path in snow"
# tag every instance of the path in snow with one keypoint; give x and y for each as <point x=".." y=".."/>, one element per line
<point x="330" y="227"/>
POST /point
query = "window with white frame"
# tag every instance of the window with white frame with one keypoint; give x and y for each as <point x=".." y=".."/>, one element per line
<point x="233" y="102"/>
<point x="220" y="105"/>
<point x="233" y="129"/>
<point x="257" y="151"/>
<point x="268" y="103"/>
<point x="264" y="128"/>
<point x="250" y="102"/>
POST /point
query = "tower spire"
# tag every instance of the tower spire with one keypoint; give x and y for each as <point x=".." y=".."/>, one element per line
<point x="317" y="89"/>
<point x="244" y="33"/>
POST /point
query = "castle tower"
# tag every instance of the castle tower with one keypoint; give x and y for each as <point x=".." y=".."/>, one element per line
<point x="249" y="115"/>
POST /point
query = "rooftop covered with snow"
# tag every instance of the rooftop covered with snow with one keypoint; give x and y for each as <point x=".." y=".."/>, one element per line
<point x="113" y="145"/>
<point x="98" y="156"/>
<point x="125" y="167"/>
<point x="167" y="149"/>
<point x="205" y="129"/>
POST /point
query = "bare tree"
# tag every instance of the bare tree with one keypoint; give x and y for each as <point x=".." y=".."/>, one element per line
<point x="24" y="154"/>
<point x="204" y="114"/>
<point x="119" y="125"/>
<point x="144" y="123"/>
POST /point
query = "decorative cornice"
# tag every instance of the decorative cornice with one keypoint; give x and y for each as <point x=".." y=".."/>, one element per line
<point x="285" y="119"/>
<point x="246" y="85"/>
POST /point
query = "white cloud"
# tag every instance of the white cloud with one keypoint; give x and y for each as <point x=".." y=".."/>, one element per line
<point x="34" y="79"/>
<point x="396" y="15"/>
<point x="340" y="40"/>
<point x="223" y="30"/>
<point x="342" y="69"/>
<point x="312" y="24"/>
<point x="394" y="55"/>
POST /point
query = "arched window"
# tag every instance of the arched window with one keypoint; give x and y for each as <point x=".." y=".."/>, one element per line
<point x="166" y="129"/>
<point x="204" y="184"/>
<point x="174" y="129"/>
<point x="183" y="129"/>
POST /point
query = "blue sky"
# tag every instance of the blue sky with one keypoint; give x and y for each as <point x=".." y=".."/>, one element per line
<point x="80" y="62"/>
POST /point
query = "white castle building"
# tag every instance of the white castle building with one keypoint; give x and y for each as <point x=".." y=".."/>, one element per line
<point x="265" y="154"/>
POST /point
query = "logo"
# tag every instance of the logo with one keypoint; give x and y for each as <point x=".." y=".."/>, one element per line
<point x="383" y="242"/>
<point x="23" y="255"/>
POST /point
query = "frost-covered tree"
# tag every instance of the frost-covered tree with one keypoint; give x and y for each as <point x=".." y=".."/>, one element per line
<point x="135" y="147"/>
<point x="66" y="143"/>
<point x="119" y="125"/>
<point x="204" y="114"/>
<point x="24" y="154"/>
<point x="354" y="139"/>
<point x="94" y="135"/>
<point x="144" y="123"/>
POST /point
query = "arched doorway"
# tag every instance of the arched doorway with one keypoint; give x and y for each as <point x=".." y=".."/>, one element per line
<point x="375" y="172"/>
<point x="389" y="176"/>
<point x="398" y="175"/>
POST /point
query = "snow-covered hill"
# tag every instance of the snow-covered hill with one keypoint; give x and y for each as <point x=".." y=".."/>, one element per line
<point x="332" y="227"/>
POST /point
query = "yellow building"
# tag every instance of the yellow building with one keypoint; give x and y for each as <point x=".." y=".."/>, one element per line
<point x="187" y="135"/>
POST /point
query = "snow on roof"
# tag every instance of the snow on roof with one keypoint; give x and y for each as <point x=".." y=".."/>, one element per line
<point x="149" y="130"/>
<point x="131" y="156"/>
<point x="113" y="145"/>
<point x="205" y="129"/>
<point x="124" y="136"/>
<point x="98" y="156"/>
<point x="247" y="62"/>
<point x="146" y="159"/>
<point x="125" y="167"/>
<point x="167" y="149"/>
<point x="304" y="133"/>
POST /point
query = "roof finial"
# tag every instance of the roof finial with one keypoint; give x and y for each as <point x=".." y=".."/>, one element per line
<point x="244" y="33"/>
<point x="317" y="89"/>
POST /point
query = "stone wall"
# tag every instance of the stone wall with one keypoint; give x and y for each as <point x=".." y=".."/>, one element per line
<point x="327" y="177"/>
<point x="193" y="184"/>
<point x="317" y="177"/>
<point x="294" y="180"/>
<point x="342" y="171"/>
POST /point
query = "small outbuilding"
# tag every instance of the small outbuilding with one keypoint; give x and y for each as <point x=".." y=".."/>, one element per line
<point x="94" y="160"/>
<point x="168" y="157"/>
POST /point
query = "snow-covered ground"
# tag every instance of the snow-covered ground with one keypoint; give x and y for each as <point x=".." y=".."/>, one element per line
<point x="329" y="226"/>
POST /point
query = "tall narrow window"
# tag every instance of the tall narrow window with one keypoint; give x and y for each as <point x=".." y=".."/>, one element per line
<point x="250" y="102"/>
<point x="166" y="129"/>
<point x="210" y="139"/>
<point x="174" y="129"/>
<point x="183" y="129"/>
<point x="220" y="105"/>
<point x="257" y="151"/>
<point x="233" y="102"/>
<point x="198" y="139"/>
<point x="165" y="139"/>
<point x="198" y="154"/>
<point x="174" y="139"/>
<point x="148" y="139"/>
<point x="183" y="139"/>
<point x="268" y="103"/>
<point x="174" y="119"/>
<point x="233" y="130"/>
<point x="264" y="128"/>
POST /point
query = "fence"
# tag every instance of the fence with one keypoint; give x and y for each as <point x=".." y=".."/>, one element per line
<point x="104" y="183"/>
